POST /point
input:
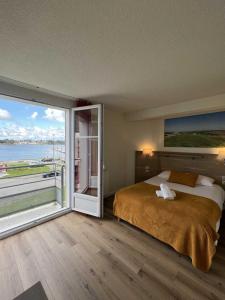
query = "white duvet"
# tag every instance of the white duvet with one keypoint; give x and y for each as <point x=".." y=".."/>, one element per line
<point x="215" y="192"/>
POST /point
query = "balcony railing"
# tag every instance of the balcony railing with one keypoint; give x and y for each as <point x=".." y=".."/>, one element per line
<point x="31" y="186"/>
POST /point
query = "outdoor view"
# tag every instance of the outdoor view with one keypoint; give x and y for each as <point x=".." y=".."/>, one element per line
<point x="207" y="130"/>
<point x="32" y="156"/>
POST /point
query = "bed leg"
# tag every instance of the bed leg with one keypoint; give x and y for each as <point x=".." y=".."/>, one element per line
<point x="118" y="219"/>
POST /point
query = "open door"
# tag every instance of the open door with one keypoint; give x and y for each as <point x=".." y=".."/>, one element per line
<point x="87" y="160"/>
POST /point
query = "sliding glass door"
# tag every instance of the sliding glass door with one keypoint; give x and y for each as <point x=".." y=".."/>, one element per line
<point x="87" y="160"/>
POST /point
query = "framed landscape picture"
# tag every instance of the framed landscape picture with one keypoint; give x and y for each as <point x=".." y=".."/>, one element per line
<point x="205" y="130"/>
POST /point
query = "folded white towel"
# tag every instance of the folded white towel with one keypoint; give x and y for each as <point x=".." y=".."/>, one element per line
<point x="167" y="193"/>
<point x="160" y="194"/>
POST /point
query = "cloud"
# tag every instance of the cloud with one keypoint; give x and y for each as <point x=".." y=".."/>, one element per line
<point x="4" y="114"/>
<point x="34" y="115"/>
<point x="54" y="115"/>
<point x="13" y="131"/>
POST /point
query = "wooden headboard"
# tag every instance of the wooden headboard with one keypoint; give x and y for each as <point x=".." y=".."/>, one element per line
<point x="201" y="163"/>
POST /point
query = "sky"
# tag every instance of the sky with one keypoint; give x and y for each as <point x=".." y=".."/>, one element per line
<point x="20" y="120"/>
<point x="211" y="121"/>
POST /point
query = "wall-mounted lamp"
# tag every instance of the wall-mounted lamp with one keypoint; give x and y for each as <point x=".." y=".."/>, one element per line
<point x="221" y="155"/>
<point x="147" y="152"/>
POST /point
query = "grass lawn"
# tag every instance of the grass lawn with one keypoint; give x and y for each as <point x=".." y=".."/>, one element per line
<point x="26" y="170"/>
<point x="194" y="140"/>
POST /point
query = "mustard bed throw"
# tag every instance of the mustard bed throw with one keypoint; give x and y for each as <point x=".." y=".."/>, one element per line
<point x="188" y="223"/>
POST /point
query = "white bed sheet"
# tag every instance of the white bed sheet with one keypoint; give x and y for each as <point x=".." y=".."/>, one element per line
<point x="215" y="192"/>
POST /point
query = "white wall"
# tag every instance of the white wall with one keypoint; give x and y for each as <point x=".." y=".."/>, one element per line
<point x="121" y="139"/>
<point x="207" y="104"/>
<point x="149" y="133"/>
<point x="26" y="92"/>
<point x="144" y="129"/>
<point x="139" y="135"/>
<point x="114" y="151"/>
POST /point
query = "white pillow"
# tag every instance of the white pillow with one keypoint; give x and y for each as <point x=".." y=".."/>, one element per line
<point x="165" y="174"/>
<point x="204" y="180"/>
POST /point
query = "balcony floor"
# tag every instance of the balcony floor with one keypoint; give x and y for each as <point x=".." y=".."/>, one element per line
<point x="24" y="217"/>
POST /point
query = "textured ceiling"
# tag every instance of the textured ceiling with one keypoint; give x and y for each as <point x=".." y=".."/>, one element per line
<point x="128" y="54"/>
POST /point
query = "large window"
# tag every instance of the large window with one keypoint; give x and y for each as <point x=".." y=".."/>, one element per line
<point x="32" y="161"/>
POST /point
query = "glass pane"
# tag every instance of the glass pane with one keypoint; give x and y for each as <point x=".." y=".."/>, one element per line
<point x="86" y="152"/>
<point x="86" y="122"/>
<point x="33" y="181"/>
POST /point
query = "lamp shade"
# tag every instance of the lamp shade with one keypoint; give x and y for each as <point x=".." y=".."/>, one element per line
<point x="222" y="153"/>
<point x="147" y="151"/>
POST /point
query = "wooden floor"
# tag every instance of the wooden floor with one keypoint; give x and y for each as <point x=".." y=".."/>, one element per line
<point x="80" y="257"/>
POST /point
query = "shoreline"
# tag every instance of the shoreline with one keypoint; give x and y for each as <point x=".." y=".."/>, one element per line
<point x="29" y="161"/>
<point x="39" y="153"/>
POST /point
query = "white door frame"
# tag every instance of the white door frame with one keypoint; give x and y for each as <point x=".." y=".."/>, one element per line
<point x="46" y="218"/>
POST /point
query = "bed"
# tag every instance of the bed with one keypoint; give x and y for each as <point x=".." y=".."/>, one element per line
<point x="189" y="223"/>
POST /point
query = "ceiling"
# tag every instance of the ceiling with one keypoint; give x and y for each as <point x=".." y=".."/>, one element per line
<point x="127" y="54"/>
